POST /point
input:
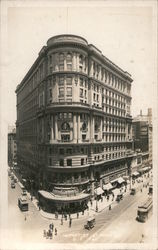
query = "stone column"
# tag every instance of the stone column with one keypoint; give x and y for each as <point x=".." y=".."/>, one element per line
<point x="65" y="64"/>
<point x="74" y="62"/>
<point x="78" y="129"/>
<point x="92" y="128"/>
<point x="99" y="76"/>
<point x="77" y="62"/>
<point x="101" y="123"/>
<point x="84" y="63"/>
<point x="56" y="128"/>
<point x="101" y="183"/>
<point x="74" y="128"/>
<point x="91" y="68"/>
<point x="52" y="127"/>
<point x="92" y="181"/>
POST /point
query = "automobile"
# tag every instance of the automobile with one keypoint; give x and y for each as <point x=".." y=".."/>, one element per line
<point x="133" y="191"/>
<point x="12" y="177"/>
<point x="15" y="179"/>
<point x="119" y="197"/>
<point x="12" y="185"/>
<point x="24" y="192"/>
<point x="90" y="223"/>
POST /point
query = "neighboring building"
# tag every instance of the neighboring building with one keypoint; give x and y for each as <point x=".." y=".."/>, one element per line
<point x="142" y="134"/>
<point x="12" y="147"/>
<point x="73" y="122"/>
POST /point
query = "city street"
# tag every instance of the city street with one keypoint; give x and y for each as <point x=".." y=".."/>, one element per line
<point x="118" y="225"/>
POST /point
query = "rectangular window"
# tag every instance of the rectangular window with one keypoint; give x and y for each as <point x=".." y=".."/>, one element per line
<point x="69" y="80"/>
<point x="69" y="162"/>
<point x="69" y="151"/>
<point x="81" y="82"/>
<point x="69" y="91"/>
<point x="82" y="161"/>
<point x="61" y="81"/>
<point x="61" y="151"/>
<point x="50" y="161"/>
<point x="50" y="93"/>
<point x="83" y="137"/>
<point x="65" y="138"/>
<point x="61" y="162"/>
<point x="81" y="92"/>
<point x="61" y="92"/>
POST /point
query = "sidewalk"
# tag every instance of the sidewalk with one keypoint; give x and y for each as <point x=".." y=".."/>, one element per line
<point x="101" y="205"/>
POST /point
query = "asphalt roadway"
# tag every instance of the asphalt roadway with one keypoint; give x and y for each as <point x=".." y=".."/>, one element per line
<point x="117" y="225"/>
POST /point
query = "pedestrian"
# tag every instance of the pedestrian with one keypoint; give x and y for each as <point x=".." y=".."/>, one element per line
<point x="55" y="231"/>
<point x="77" y="215"/>
<point x="65" y="215"/>
<point x="61" y="221"/>
<point x="44" y="233"/>
<point x="31" y="198"/>
<point x="25" y="217"/>
<point x="70" y="222"/>
<point x="141" y="190"/>
<point x="91" y="202"/>
<point x="109" y="207"/>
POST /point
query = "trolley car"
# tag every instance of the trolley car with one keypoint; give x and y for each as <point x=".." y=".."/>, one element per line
<point x="23" y="203"/>
<point x="144" y="210"/>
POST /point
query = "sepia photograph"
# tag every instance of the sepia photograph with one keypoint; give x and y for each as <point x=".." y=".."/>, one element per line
<point x="78" y="141"/>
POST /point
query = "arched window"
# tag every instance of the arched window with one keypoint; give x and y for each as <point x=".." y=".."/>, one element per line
<point x="84" y="126"/>
<point x="69" y="61"/>
<point x="65" y="126"/>
<point x="61" y="62"/>
<point x="80" y="62"/>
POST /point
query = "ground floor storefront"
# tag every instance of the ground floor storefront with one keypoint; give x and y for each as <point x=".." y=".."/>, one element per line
<point x="68" y="202"/>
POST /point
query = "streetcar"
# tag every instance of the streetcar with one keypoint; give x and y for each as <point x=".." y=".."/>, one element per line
<point x="90" y="223"/>
<point x="150" y="189"/>
<point x="23" y="203"/>
<point x="144" y="210"/>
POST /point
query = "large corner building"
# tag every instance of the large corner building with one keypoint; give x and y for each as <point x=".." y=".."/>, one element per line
<point x="74" y="126"/>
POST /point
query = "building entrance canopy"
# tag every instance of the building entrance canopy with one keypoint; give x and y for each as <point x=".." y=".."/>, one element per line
<point x="64" y="199"/>
<point x="107" y="186"/>
<point x="98" y="191"/>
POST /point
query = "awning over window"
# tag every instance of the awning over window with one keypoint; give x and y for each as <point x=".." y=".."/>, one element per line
<point x="53" y="197"/>
<point x="119" y="180"/>
<point x="144" y="169"/>
<point x="98" y="191"/>
<point x="107" y="186"/>
<point x="135" y="173"/>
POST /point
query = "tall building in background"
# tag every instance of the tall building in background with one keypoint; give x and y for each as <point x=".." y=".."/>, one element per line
<point x="142" y="134"/>
<point x="74" y="126"/>
<point x="12" y="147"/>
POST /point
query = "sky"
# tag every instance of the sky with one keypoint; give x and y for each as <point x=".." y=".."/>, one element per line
<point x="123" y="32"/>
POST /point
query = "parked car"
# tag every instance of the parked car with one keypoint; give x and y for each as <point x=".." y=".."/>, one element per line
<point x="15" y="179"/>
<point x="90" y="223"/>
<point x="119" y="197"/>
<point x="12" y="184"/>
<point x="133" y="191"/>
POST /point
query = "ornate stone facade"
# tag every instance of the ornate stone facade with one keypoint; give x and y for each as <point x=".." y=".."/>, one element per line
<point x="73" y="117"/>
